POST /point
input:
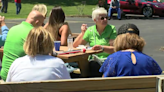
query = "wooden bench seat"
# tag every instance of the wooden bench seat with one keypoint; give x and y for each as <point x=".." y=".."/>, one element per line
<point x="112" y="84"/>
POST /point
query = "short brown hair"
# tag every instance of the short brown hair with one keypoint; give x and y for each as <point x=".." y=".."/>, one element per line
<point x="129" y="41"/>
<point x="39" y="41"/>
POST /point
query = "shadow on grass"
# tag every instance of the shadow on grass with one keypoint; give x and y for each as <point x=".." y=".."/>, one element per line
<point x="60" y="2"/>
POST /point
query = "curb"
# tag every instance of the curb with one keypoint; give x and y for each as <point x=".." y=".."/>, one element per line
<point x="83" y="16"/>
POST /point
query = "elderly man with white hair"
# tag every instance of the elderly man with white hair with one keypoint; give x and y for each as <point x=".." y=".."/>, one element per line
<point x="99" y="36"/>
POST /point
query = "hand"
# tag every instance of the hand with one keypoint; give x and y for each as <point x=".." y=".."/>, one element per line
<point x="97" y="47"/>
<point x="83" y="28"/>
<point x="114" y="7"/>
<point x="2" y="21"/>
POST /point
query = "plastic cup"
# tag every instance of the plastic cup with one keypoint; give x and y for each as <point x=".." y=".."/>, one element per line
<point x="57" y="45"/>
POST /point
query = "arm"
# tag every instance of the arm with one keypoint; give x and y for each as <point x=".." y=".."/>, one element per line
<point x="113" y="36"/>
<point x="108" y="68"/>
<point x="79" y="40"/>
<point x="45" y="26"/>
<point x="111" y="4"/>
<point x="4" y="30"/>
<point x="64" y="34"/>
<point x="107" y="49"/>
<point x="156" y="68"/>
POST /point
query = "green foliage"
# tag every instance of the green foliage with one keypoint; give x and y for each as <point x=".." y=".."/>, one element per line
<point x="59" y="2"/>
<point x="27" y="7"/>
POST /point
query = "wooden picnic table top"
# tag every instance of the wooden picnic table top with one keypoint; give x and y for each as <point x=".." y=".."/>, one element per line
<point x="68" y="56"/>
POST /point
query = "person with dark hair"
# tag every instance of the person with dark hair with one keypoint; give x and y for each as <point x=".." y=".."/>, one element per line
<point x="18" y="6"/>
<point x="57" y="25"/>
<point x="59" y="29"/>
<point x="128" y="59"/>
<point x="114" y="6"/>
<point x="4" y="6"/>
<point x="130" y="28"/>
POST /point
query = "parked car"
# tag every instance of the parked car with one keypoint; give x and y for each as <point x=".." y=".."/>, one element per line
<point x="143" y="7"/>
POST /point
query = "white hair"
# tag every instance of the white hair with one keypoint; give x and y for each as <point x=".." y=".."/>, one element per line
<point x="97" y="11"/>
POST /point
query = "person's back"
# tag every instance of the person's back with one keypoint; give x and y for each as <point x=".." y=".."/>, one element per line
<point x="128" y="59"/>
<point x="13" y="47"/>
<point x="144" y="65"/>
<point x="121" y="64"/>
<point x="40" y="67"/>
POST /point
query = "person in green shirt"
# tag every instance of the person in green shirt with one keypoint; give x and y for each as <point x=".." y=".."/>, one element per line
<point x="99" y="36"/>
<point x="13" y="47"/>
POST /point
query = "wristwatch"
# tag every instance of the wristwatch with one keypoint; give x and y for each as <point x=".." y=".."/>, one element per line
<point x="102" y="47"/>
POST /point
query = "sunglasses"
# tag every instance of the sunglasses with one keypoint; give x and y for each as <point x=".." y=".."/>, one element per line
<point x="102" y="18"/>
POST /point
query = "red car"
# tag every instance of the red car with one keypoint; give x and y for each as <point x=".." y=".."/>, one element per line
<point x="145" y="7"/>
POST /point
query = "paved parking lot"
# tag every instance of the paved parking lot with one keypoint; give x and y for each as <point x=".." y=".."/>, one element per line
<point x="152" y="30"/>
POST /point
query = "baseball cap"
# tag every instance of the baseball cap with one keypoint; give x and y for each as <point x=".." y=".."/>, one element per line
<point x="128" y="28"/>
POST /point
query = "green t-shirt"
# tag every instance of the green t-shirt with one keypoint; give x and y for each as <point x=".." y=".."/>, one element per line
<point x="13" y="47"/>
<point x="94" y="38"/>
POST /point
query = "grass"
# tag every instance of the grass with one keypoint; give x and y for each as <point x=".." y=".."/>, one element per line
<point x="69" y="7"/>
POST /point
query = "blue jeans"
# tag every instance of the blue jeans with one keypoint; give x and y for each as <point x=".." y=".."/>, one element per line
<point x="4" y="6"/>
<point x="18" y="7"/>
<point x="110" y="12"/>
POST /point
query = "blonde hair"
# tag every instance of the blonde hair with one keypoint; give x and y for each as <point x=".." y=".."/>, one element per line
<point x="129" y="41"/>
<point x="41" y="8"/>
<point x="39" y="41"/>
<point x="97" y="11"/>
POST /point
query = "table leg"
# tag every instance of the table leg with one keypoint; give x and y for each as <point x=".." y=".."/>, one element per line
<point x="84" y="65"/>
<point x="1" y="56"/>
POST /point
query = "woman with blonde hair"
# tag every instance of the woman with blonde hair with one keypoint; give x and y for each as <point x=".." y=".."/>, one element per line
<point x="57" y="25"/>
<point x="37" y="64"/>
<point x="41" y="8"/>
<point x="128" y="59"/>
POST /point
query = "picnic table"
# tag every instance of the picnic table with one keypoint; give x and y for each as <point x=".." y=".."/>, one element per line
<point x="81" y="58"/>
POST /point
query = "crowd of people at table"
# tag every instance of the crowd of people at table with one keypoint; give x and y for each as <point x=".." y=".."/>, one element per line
<point x="28" y="47"/>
